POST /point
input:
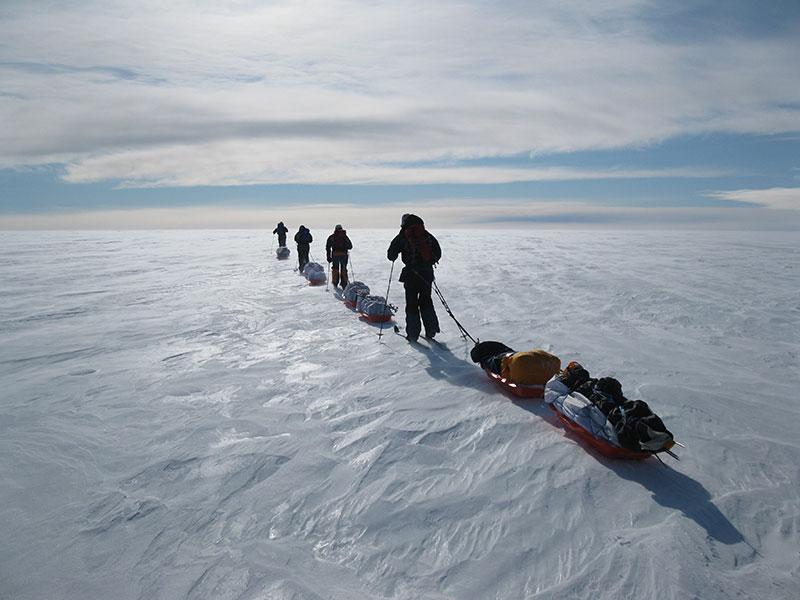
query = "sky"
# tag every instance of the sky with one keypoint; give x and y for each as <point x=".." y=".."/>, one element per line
<point x="617" y="113"/>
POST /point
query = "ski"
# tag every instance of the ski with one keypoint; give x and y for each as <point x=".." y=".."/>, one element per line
<point x="402" y="335"/>
<point x="433" y="342"/>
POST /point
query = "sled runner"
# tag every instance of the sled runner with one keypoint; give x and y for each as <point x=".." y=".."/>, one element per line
<point x="376" y="318"/>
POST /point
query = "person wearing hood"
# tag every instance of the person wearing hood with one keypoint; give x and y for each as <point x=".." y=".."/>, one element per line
<point x="303" y="238"/>
<point x="419" y="251"/>
<point x="281" y="230"/>
<point x="336" y="249"/>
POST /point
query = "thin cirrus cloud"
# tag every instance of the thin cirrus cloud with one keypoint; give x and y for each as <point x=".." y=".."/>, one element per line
<point x="777" y="198"/>
<point x="152" y="94"/>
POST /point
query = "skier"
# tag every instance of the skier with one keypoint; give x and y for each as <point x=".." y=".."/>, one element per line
<point x="419" y="251"/>
<point x="281" y="230"/>
<point x="303" y="238"/>
<point x="336" y="249"/>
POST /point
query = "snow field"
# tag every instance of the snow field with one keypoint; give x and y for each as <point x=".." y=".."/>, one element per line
<point x="185" y="417"/>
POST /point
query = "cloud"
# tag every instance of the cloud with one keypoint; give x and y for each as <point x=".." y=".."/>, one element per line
<point x="776" y="198"/>
<point x="453" y="213"/>
<point x="328" y="162"/>
<point x="207" y="93"/>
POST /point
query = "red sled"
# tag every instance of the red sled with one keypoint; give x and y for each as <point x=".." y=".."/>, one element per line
<point x="376" y="318"/>
<point x="518" y="389"/>
<point x="316" y="282"/>
<point x="350" y="304"/>
<point x="600" y="444"/>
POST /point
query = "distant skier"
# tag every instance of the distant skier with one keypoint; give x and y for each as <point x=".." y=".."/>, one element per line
<point x="336" y="249"/>
<point x="419" y="251"/>
<point x="303" y="238"/>
<point x="281" y="230"/>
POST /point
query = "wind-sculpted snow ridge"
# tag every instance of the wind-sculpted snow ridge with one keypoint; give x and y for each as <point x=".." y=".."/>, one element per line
<point x="183" y="416"/>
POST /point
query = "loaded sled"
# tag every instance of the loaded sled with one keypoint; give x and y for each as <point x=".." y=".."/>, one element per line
<point x="374" y="309"/>
<point x="315" y="273"/>
<point x="524" y="374"/>
<point x="352" y="291"/>
<point x="593" y="409"/>
<point x="598" y="412"/>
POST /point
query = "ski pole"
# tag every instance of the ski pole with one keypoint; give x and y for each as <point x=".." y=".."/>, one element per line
<point x="464" y="333"/>
<point x="380" y="333"/>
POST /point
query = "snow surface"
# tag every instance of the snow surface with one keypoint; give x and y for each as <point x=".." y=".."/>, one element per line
<point x="183" y="416"/>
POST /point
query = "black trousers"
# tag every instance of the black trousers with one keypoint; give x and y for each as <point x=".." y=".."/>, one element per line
<point x="302" y="255"/>
<point x="419" y="304"/>
<point x="339" y="269"/>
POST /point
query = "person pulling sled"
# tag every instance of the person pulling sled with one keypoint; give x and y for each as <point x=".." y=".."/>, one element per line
<point x="419" y="251"/>
<point x="336" y="249"/>
<point x="281" y="230"/>
<point x="303" y="238"/>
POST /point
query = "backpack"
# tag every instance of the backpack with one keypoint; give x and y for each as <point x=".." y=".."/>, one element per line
<point x="535" y="367"/>
<point x="577" y="379"/>
<point x="638" y="427"/>
<point x="418" y="244"/>
<point x="606" y="394"/>
<point x="304" y="237"/>
<point x="483" y="351"/>
<point x="340" y="240"/>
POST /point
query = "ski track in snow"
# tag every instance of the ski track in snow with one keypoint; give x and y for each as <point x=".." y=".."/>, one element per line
<point x="184" y="417"/>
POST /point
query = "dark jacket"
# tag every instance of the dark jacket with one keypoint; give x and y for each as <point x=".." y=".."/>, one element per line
<point x="410" y="244"/>
<point x="338" y="243"/>
<point x="281" y="230"/>
<point x="303" y="237"/>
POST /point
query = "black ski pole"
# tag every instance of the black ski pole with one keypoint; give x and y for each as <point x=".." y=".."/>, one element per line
<point x="464" y="333"/>
<point x="388" y="287"/>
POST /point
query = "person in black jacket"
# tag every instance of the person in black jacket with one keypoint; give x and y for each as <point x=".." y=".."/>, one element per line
<point x="303" y="238"/>
<point x="336" y="249"/>
<point x="419" y="251"/>
<point x="281" y="230"/>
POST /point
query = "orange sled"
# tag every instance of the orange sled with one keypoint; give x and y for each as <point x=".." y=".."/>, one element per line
<point x="523" y="391"/>
<point x="603" y="446"/>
